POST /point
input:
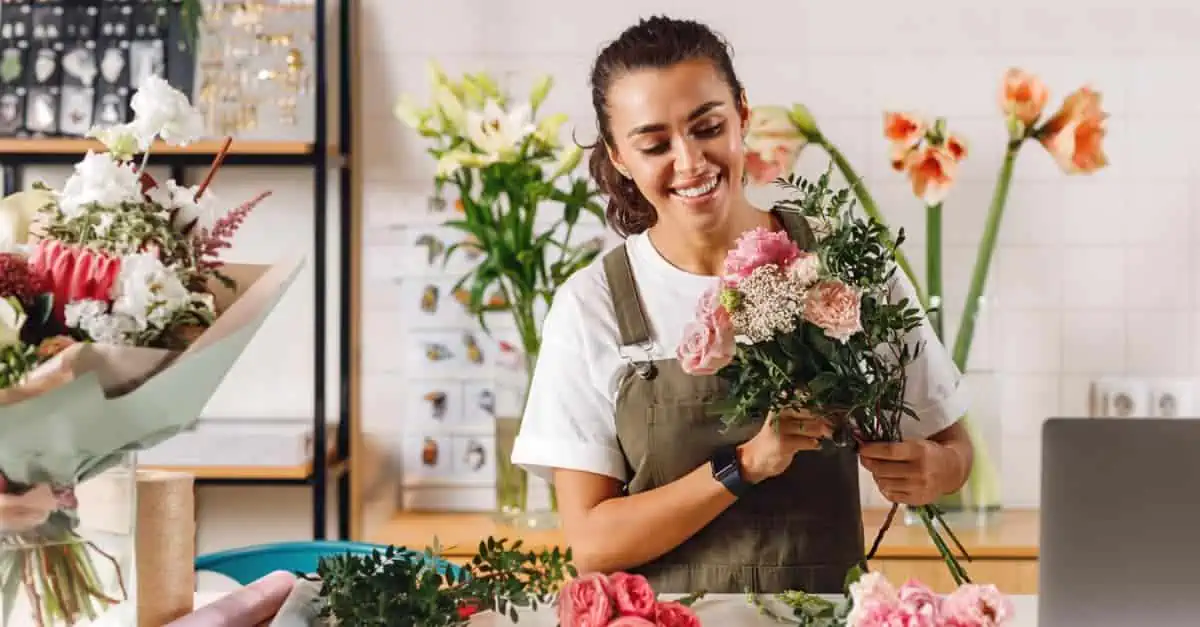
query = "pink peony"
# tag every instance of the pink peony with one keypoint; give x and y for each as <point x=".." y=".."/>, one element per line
<point x="976" y="605"/>
<point x="919" y="601"/>
<point x="835" y="307"/>
<point x="630" y="621"/>
<point x="633" y="594"/>
<point x="758" y="247"/>
<point x="586" y="602"/>
<point x="672" y="614"/>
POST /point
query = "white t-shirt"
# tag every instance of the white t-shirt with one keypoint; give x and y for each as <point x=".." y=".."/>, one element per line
<point x="569" y="419"/>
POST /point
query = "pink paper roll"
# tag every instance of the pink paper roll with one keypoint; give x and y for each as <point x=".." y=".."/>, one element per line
<point x="250" y="606"/>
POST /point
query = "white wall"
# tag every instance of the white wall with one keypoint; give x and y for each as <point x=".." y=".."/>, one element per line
<point x="1093" y="275"/>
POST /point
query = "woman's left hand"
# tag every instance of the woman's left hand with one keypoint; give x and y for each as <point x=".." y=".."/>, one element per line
<point x="914" y="472"/>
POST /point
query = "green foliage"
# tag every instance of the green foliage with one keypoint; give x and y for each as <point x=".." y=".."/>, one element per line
<point x="401" y="588"/>
<point x="862" y="381"/>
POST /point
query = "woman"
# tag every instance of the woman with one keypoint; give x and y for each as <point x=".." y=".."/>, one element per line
<point x="646" y="482"/>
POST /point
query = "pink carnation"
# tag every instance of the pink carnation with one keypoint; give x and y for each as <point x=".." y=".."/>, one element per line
<point x="586" y="601"/>
<point x="758" y="247"/>
<point x="630" y="621"/>
<point x="976" y="605"/>
<point x="834" y="307"/>
<point x="672" y="614"/>
<point x="633" y="594"/>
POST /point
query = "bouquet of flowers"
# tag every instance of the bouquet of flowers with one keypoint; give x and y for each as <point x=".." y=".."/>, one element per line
<point x="930" y="155"/>
<point x="816" y="329"/>
<point x="118" y="320"/>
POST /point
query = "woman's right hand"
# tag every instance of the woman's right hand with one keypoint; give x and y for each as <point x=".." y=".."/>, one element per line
<point x="770" y="451"/>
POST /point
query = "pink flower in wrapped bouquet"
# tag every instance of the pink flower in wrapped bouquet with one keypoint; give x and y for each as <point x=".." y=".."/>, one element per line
<point x="836" y="308"/>
<point x="708" y="341"/>
<point x="74" y="273"/>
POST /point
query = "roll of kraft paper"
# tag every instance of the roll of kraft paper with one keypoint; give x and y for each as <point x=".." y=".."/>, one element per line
<point x="254" y="605"/>
<point x="166" y="546"/>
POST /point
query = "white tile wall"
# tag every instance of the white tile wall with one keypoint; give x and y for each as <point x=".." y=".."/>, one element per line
<point x="1093" y="276"/>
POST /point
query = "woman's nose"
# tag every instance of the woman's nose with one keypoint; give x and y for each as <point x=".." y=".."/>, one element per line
<point x="689" y="158"/>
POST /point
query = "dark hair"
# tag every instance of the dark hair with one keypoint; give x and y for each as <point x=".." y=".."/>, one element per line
<point x="655" y="42"/>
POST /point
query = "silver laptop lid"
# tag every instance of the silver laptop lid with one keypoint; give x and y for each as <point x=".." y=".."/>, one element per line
<point x="1120" y="522"/>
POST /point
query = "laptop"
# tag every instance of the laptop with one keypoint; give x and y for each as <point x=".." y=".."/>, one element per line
<point x="1120" y="522"/>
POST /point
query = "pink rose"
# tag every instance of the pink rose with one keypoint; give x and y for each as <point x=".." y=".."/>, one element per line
<point x="585" y="601"/>
<point x="633" y="595"/>
<point x="630" y="621"/>
<point x="758" y="247"/>
<point x="835" y="307"/>
<point x="704" y="349"/>
<point x="976" y="605"/>
<point x="672" y="614"/>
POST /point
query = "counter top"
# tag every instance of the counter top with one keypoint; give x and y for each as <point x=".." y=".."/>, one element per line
<point x="1010" y="535"/>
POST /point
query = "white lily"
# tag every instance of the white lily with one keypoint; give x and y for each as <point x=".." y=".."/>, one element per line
<point x="497" y="132"/>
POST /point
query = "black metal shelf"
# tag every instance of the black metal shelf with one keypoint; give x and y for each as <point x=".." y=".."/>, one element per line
<point x="323" y="153"/>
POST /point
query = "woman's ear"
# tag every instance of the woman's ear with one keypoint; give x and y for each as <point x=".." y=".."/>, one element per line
<point x="616" y="160"/>
<point x="744" y="113"/>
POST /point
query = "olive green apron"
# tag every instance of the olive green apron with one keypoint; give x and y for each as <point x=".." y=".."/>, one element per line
<point x="800" y="530"/>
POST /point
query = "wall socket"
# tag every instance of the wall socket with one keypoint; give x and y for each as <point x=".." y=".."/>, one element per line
<point x="1143" y="397"/>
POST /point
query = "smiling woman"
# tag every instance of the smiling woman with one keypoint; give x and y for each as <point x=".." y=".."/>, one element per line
<point x="647" y="481"/>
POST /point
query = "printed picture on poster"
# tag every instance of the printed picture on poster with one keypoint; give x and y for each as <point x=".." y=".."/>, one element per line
<point x="434" y="404"/>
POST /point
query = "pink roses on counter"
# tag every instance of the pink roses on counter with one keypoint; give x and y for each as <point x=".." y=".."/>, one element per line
<point x="876" y="603"/>
<point x="618" y="600"/>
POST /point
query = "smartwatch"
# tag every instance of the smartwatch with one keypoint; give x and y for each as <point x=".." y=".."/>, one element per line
<point x="728" y="471"/>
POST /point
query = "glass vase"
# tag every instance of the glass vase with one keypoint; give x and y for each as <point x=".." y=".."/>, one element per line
<point x="980" y="500"/>
<point x="67" y="552"/>
<point x="522" y="500"/>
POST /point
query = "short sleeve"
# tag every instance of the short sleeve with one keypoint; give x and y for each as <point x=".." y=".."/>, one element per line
<point x="568" y="421"/>
<point x="936" y="390"/>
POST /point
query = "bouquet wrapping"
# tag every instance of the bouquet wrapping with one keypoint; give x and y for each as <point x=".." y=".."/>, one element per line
<point x="118" y="321"/>
<point x="818" y="325"/>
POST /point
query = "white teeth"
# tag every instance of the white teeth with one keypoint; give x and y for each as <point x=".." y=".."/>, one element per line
<point x="693" y="192"/>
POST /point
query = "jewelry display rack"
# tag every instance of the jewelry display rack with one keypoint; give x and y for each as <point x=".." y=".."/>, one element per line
<point x="330" y="148"/>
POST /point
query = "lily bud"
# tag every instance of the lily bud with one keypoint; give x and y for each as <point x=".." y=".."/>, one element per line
<point x="803" y="119"/>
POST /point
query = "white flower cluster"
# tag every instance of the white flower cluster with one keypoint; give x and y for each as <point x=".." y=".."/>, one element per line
<point x="146" y="297"/>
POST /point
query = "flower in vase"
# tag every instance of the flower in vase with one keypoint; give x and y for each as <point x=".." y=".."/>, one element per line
<point x="904" y="130"/>
<point x="773" y="144"/>
<point x="498" y="133"/>
<point x="1023" y="96"/>
<point x="932" y="170"/>
<point x="1074" y="135"/>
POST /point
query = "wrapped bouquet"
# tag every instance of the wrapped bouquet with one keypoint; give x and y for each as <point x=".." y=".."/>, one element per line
<point x="816" y="329"/>
<point x="118" y="320"/>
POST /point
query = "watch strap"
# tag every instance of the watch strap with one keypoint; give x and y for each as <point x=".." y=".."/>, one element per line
<point x="728" y="471"/>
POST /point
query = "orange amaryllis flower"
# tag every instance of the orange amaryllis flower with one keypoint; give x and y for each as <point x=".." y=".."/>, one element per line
<point x="1023" y="96"/>
<point x="773" y="144"/>
<point x="904" y="130"/>
<point x="957" y="147"/>
<point x="932" y="170"/>
<point x="1074" y="136"/>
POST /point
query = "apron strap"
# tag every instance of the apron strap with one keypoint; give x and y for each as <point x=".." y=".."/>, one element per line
<point x="796" y="226"/>
<point x="627" y="302"/>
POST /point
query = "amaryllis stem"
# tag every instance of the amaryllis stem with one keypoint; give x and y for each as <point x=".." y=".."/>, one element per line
<point x="216" y="165"/>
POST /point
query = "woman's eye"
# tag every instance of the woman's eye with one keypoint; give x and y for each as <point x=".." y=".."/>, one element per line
<point x="657" y="149"/>
<point x="709" y="131"/>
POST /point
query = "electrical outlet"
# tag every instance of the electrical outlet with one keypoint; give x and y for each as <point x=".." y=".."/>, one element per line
<point x="1172" y="398"/>
<point x="1121" y="397"/>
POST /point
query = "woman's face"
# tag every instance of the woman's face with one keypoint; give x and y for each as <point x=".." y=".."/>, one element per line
<point x="678" y="133"/>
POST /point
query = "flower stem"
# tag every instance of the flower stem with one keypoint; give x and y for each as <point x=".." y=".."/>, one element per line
<point x="871" y="209"/>
<point x="933" y="266"/>
<point x="983" y="260"/>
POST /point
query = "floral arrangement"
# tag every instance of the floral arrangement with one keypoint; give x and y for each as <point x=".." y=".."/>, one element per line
<point x="113" y="259"/>
<point x="873" y="601"/>
<point x="621" y="600"/>
<point x="520" y="204"/>
<point x="819" y="329"/>
<point x="930" y="157"/>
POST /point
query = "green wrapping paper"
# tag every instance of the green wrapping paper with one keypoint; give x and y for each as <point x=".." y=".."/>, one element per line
<point x="92" y="403"/>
